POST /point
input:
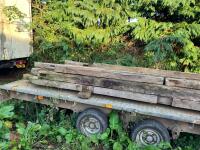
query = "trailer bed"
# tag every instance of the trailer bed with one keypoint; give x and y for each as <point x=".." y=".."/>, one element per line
<point x="24" y="90"/>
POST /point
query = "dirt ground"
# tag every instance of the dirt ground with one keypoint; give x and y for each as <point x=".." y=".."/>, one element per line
<point x="9" y="75"/>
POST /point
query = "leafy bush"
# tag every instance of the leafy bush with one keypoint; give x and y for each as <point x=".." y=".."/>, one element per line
<point x="82" y="30"/>
<point x="86" y="29"/>
<point x="53" y="128"/>
<point x="50" y="132"/>
<point x="6" y="112"/>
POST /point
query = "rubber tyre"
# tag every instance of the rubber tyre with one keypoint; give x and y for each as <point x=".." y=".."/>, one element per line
<point x="95" y="113"/>
<point x="152" y="125"/>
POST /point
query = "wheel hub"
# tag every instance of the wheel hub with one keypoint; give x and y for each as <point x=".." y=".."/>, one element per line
<point x="90" y="125"/>
<point x="148" y="137"/>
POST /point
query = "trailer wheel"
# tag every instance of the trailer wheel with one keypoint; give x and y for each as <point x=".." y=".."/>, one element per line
<point x="149" y="132"/>
<point x="91" y="121"/>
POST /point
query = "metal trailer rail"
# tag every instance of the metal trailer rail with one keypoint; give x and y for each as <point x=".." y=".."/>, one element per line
<point x="176" y="119"/>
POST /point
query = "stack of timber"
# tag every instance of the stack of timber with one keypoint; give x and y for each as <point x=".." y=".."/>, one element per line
<point x="175" y="89"/>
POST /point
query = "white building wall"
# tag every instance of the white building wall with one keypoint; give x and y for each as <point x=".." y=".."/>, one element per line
<point x="15" y="39"/>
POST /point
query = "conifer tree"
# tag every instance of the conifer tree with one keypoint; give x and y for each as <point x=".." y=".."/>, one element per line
<point x="169" y="29"/>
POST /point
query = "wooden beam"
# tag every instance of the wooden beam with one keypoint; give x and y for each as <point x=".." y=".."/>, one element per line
<point x="102" y="73"/>
<point x="97" y="90"/>
<point x="165" y="100"/>
<point x="4" y="96"/>
<point x="161" y="90"/>
<point x="141" y="70"/>
<point x="186" y="83"/>
<point x="187" y="104"/>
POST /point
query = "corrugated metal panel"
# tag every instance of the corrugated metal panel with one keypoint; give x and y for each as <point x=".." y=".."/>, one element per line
<point x="15" y="38"/>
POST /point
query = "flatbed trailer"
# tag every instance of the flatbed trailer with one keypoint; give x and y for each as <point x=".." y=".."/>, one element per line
<point x="157" y="119"/>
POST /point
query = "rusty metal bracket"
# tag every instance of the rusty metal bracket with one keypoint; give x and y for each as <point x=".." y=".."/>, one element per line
<point x="176" y="132"/>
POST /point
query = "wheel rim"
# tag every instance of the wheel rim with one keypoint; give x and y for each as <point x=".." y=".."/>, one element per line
<point x="148" y="137"/>
<point x="90" y="125"/>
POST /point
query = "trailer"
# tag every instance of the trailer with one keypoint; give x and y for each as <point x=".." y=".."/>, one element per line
<point x="160" y="121"/>
<point x="15" y="38"/>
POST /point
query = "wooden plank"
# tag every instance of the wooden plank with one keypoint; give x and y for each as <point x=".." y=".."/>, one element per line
<point x="49" y="66"/>
<point x="69" y="62"/>
<point x="137" y="87"/>
<point x="36" y="71"/>
<point x="4" y="96"/>
<point x="85" y="92"/>
<point x="187" y="104"/>
<point x="165" y="100"/>
<point x="186" y="83"/>
<point x="101" y="72"/>
<point x="127" y="95"/>
<point x="97" y="90"/>
<point x="149" y="71"/>
<point x="26" y="76"/>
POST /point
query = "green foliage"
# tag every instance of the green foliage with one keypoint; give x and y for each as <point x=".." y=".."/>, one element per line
<point x="51" y="128"/>
<point x="85" y="30"/>
<point x="170" y="41"/>
<point x="168" y="29"/>
<point x="6" y="112"/>
<point x="27" y="134"/>
<point x="188" y="142"/>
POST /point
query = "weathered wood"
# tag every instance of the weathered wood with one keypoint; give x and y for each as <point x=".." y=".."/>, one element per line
<point x="49" y="66"/>
<point x="165" y="100"/>
<point x="170" y="88"/>
<point x="141" y="70"/>
<point x="85" y="92"/>
<point x="101" y="72"/>
<point x="186" y="83"/>
<point x="161" y="90"/>
<point x="126" y="94"/>
<point x="187" y="104"/>
<point x="4" y="96"/>
<point x="97" y="90"/>
<point x="69" y="62"/>
<point x="36" y="71"/>
<point x="26" y="76"/>
<point x="95" y="72"/>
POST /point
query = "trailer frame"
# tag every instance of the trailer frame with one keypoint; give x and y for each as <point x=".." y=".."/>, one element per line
<point x="174" y="119"/>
